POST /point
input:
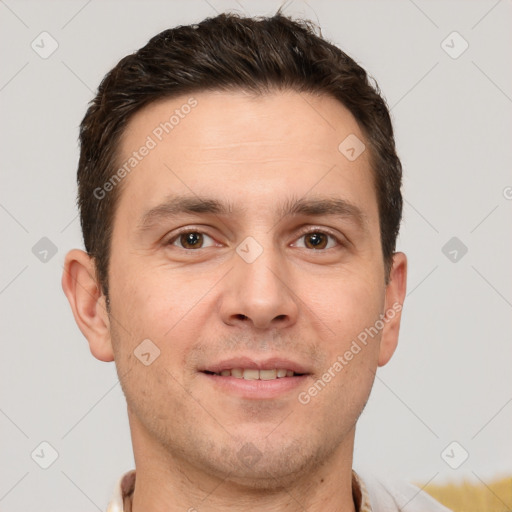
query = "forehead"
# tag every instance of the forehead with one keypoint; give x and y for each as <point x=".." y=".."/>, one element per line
<point x="245" y="148"/>
<point x="210" y="121"/>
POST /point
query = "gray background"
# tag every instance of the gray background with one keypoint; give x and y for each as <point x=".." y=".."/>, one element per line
<point x="450" y="378"/>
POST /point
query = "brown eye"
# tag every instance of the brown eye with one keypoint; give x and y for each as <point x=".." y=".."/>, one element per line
<point x="192" y="240"/>
<point x="316" y="240"/>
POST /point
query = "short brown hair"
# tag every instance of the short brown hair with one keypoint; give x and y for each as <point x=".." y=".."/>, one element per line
<point x="229" y="52"/>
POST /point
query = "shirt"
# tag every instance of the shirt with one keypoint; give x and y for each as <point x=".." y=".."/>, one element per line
<point x="370" y="495"/>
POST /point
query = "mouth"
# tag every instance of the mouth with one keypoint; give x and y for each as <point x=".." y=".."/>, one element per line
<point x="254" y="374"/>
<point x="248" y="378"/>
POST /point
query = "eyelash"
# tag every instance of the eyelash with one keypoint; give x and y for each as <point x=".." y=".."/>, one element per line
<point x="322" y="231"/>
<point x="309" y="231"/>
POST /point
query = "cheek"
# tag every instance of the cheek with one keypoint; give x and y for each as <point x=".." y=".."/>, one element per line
<point x="146" y="308"/>
<point x="168" y="306"/>
<point x="342" y="388"/>
<point x="347" y="304"/>
<point x="145" y="296"/>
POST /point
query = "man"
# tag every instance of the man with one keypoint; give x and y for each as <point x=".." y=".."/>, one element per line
<point x="240" y="200"/>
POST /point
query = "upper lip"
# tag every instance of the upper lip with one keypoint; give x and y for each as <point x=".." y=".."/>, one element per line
<point x="255" y="364"/>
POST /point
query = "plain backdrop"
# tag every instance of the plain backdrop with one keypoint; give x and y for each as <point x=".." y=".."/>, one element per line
<point x="451" y="100"/>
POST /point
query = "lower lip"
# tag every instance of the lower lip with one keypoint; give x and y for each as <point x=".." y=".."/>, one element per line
<point x="257" y="389"/>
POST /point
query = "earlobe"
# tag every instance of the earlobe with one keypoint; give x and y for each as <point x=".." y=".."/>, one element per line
<point x="87" y="303"/>
<point x="395" y="296"/>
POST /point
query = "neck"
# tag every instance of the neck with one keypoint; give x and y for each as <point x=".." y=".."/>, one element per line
<point x="168" y="482"/>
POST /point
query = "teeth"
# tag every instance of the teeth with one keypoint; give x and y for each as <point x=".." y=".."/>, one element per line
<point x="236" y="372"/>
<point x="252" y="374"/>
<point x="268" y="374"/>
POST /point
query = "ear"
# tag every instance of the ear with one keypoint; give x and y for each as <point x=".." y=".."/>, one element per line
<point x="87" y="302"/>
<point x="395" y="296"/>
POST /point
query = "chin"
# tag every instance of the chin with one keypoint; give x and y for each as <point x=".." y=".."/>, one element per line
<point x="276" y="466"/>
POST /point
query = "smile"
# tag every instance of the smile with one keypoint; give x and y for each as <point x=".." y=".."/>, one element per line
<point x="255" y="374"/>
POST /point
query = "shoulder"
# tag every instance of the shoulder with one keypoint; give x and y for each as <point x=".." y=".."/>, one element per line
<point x="389" y="495"/>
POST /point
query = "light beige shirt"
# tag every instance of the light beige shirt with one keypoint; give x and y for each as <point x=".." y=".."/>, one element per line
<point x="379" y="497"/>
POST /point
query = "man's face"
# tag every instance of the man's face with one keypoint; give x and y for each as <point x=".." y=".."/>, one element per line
<point x="280" y="269"/>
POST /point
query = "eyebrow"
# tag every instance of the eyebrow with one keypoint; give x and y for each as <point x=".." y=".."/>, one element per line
<point x="174" y="206"/>
<point x="179" y="205"/>
<point x="316" y="207"/>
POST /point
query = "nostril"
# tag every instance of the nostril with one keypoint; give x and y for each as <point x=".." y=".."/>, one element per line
<point x="242" y="317"/>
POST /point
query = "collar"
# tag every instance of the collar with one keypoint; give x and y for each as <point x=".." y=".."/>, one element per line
<point x="122" y="499"/>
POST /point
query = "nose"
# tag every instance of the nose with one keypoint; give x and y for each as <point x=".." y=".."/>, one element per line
<point x="259" y="294"/>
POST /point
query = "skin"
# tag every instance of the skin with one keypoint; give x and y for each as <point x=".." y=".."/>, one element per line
<point x="205" y="304"/>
